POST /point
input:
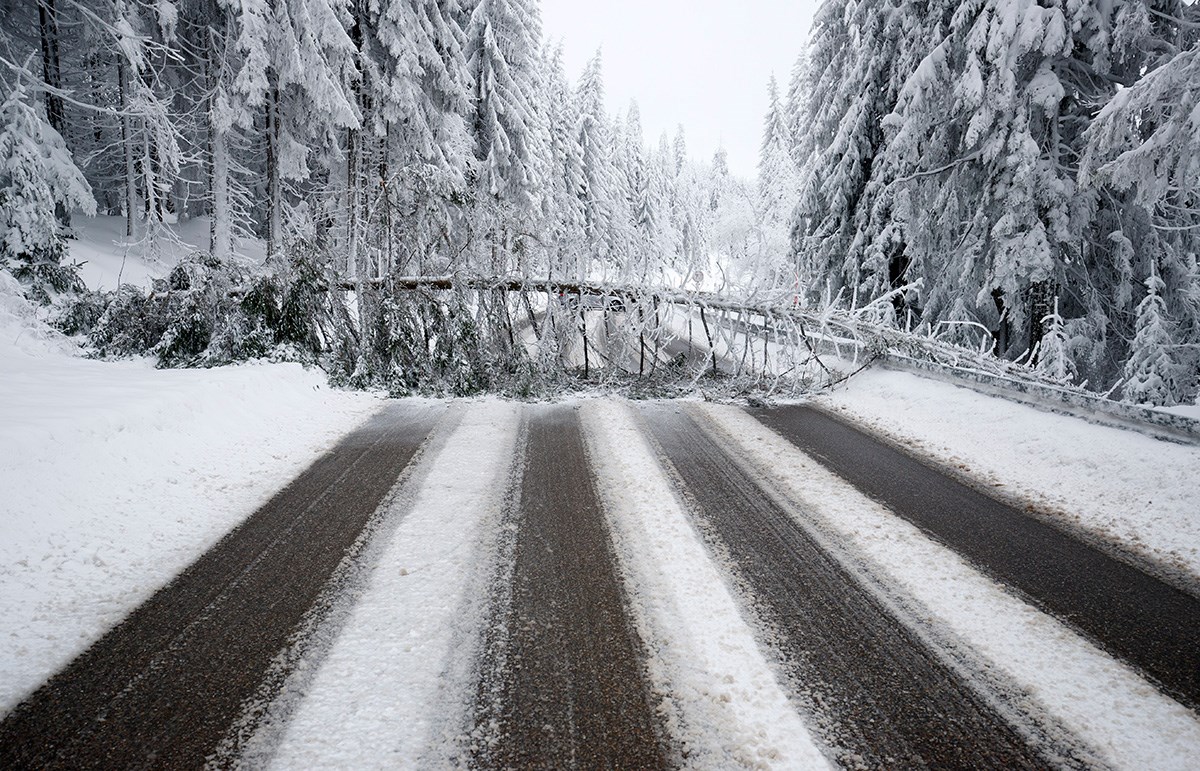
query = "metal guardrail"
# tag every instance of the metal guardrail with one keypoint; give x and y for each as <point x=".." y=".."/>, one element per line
<point x="1071" y="401"/>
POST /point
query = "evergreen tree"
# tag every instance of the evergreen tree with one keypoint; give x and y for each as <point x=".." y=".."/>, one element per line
<point x="503" y="40"/>
<point x="778" y="178"/>
<point x="37" y="176"/>
<point x="1151" y="371"/>
<point x="860" y="55"/>
<point x="797" y="107"/>
<point x="599" y="176"/>
<point x="1054" y="356"/>
<point x="563" y="204"/>
<point x="942" y="150"/>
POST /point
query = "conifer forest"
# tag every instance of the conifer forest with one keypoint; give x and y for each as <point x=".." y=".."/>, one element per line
<point x="415" y="195"/>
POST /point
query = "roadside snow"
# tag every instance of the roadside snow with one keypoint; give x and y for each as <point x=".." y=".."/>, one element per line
<point x="1140" y="492"/>
<point x="394" y="690"/>
<point x="1101" y="701"/>
<point x="724" y="705"/>
<point x="110" y="258"/>
<point x="115" y="476"/>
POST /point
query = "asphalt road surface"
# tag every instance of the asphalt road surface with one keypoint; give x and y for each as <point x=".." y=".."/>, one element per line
<point x="564" y="685"/>
<point x="562" y="681"/>
<point x="1151" y="625"/>
<point x="162" y="689"/>
<point x="883" y="699"/>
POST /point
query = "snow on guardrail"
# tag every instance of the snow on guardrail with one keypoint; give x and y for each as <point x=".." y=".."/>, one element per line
<point x="849" y="335"/>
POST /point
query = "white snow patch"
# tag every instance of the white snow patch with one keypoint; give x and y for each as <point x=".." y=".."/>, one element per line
<point x="1104" y="703"/>
<point x="1141" y="492"/>
<point x="1186" y="410"/>
<point x="115" y="476"/>
<point x="110" y="258"/>
<point x="23" y="328"/>
<point x="725" y="704"/>
<point x="390" y="693"/>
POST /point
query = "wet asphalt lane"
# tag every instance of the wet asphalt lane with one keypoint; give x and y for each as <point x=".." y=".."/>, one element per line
<point x="162" y="689"/>
<point x="1151" y="625"/>
<point x="882" y="699"/>
<point x="564" y="686"/>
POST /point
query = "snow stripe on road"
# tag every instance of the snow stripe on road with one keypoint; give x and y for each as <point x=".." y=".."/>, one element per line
<point x="1101" y="701"/>
<point x="1134" y="616"/>
<point x="394" y="689"/>
<point x="882" y="698"/>
<point x="722" y="701"/>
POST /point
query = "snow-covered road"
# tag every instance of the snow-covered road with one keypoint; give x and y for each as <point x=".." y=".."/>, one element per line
<point x="774" y="616"/>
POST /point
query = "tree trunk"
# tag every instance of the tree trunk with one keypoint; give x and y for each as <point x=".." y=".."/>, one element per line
<point x="352" y="141"/>
<point x="274" y="184"/>
<point x="708" y="335"/>
<point x="48" y="24"/>
<point x="220" y="217"/>
<point x="127" y="144"/>
<point x="1040" y="304"/>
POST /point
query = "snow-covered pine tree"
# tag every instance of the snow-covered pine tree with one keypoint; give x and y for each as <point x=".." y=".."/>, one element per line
<point x="419" y="93"/>
<point x="969" y="191"/>
<point x="691" y="207"/>
<point x="37" y="176"/>
<point x="502" y="44"/>
<point x="142" y="38"/>
<point x="593" y="134"/>
<point x="778" y="191"/>
<point x="1143" y="151"/>
<point x="663" y="183"/>
<point x="859" y="56"/>
<point x="1053" y="353"/>
<point x="734" y="224"/>
<point x="563" y="201"/>
<point x="643" y="208"/>
<point x="1151" y="372"/>
<point x="797" y="107"/>
<point x="622" y="250"/>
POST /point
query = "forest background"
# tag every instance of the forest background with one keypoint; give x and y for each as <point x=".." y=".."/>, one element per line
<point x="1013" y="172"/>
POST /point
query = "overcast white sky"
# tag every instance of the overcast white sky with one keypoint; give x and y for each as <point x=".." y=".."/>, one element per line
<point x="700" y="63"/>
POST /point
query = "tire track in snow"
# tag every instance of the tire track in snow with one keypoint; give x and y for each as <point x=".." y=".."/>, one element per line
<point x="563" y="683"/>
<point x="882" y="698"/>
<point x="164" y="686"/>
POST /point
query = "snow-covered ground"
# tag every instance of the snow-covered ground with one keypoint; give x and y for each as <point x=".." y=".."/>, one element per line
<point x="1140" y="492"/>
<point x="109" y="258"/>
<point x="114" y="476"/>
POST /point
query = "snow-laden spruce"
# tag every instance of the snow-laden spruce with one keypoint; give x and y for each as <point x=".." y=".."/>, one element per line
<point x="953" y="151"/>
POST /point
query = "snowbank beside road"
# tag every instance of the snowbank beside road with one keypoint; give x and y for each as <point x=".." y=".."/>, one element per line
<point x="115" y="476"/>
<point x="1122" y="486"/>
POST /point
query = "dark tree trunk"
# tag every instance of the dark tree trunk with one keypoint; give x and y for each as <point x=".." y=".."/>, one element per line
<point x="127" y="143"/>
<point x="274" y="184"/>
<point x="52" y="72"/>
<point x="48" y="22"/>
<point x="1001" y="333"/>
<point x="1040" y="304"/>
